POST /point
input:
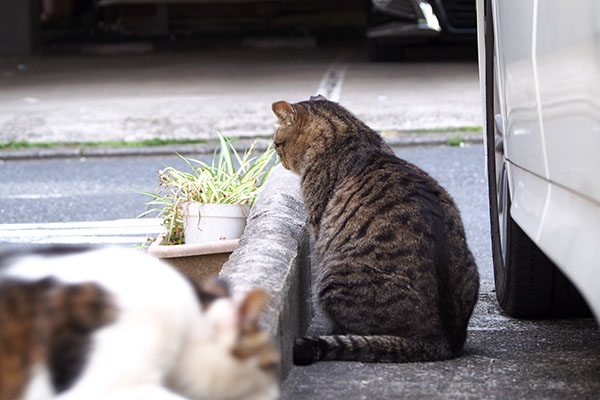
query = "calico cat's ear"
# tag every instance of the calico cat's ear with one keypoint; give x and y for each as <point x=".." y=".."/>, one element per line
<point x="252" y="341"/>
<point x="251" y="308"/>
<point x="211" y="290"/>
<point x="285" y="112"/>
<point x="217" y="287"/>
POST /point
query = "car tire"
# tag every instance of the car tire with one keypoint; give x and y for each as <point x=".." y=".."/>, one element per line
<point x="528" y="284"/>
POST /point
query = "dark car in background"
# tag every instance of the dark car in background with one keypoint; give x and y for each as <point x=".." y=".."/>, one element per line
<point x="394" y="24"/>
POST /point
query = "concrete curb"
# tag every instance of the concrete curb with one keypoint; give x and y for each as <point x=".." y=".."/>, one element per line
<point x="397" y="139"/>
<point x="273" y="254"/>
<point x="406" y="139"/>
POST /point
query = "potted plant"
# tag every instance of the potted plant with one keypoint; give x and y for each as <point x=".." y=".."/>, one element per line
<point x="204" y="210"/>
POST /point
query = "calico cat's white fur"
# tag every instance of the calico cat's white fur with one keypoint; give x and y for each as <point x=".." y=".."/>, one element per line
<point x="161" y="343"/>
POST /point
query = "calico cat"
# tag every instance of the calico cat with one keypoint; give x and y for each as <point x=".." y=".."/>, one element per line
<point x="115" y="323"/>
<point x="395" y="276"/>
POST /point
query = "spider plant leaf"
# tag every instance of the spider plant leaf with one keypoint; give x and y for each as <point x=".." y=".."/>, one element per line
<point x="225" y="158"/>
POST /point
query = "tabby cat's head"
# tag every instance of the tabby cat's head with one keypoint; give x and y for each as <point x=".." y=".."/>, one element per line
<point x="309" y="129"/>
<point x="302" y="126"/>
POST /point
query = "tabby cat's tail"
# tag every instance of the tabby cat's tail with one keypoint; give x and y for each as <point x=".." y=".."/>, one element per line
<point x="390" y="349"/>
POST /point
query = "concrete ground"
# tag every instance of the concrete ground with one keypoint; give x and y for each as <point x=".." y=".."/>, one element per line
<point x="504" y="358"/>
<point x="194" y="94"/>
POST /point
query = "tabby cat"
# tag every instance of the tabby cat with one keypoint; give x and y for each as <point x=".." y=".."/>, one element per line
<point x="395" y="276"/>
<point x="115" y="323"/>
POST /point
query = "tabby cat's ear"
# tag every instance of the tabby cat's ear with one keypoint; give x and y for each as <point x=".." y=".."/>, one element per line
<point x="285" y="112"/>
<point x="318" y="97"/>
<point x="251" y="308"/>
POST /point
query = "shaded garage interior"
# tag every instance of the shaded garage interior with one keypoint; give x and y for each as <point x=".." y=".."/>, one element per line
<point x="386" y="27"/>
<point x="32" y="26"/>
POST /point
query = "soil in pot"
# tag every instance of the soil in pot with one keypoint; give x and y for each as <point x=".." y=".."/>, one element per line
<point x="197" y="261"/>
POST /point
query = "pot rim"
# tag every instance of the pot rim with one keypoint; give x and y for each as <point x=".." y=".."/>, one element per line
<point x="160" y="250"/>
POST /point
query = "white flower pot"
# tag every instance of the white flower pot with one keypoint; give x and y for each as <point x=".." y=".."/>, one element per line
<point x="206" y="222"/>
